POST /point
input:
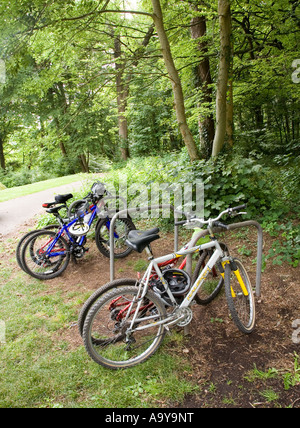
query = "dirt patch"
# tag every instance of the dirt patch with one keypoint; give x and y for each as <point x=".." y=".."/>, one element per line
<point x="237" y="370"/>
<point x="231" y="369"/>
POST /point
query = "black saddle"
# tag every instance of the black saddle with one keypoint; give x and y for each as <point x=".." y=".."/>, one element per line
<point x="55" y="209"/>
<point x="59" y="199"/>
<point x="138" y="240"/>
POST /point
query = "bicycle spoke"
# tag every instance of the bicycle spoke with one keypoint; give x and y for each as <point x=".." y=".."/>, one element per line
<point x="107" y="335"/>
<point x="240" y="296"/>
<point x="212" y="284"/>
<point x="45" y="256"/>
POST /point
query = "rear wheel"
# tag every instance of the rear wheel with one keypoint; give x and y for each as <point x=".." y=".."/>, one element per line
<point x="98" y="294"/>
<point x="107" y="334"/>
<point x="121" y="229"/>
<point x="25" y="238"/>
<point x="75" y="207"/>
<point x="41" y="260"/>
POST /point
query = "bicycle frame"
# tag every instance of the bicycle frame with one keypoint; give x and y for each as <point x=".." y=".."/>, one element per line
<point x="217" y="255"/>
<point x="93" y="209"/>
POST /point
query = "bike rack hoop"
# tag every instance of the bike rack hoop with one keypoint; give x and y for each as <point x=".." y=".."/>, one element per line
<point x="233" y="227"/>
<point x="139" y="210"/>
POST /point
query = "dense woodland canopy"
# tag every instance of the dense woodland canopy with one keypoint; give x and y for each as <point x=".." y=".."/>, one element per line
<point x="88" y="83"/>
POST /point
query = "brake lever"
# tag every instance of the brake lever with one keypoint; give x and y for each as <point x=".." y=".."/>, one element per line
<point x="191" y="224"/>
<point x="234" y="213"/>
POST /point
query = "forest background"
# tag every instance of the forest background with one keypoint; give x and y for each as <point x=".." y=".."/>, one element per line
<point x="165" y="90"/>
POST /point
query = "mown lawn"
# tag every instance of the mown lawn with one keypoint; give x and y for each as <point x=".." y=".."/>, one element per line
<point x="28" y="189"/>
<point x="40" y="369"/>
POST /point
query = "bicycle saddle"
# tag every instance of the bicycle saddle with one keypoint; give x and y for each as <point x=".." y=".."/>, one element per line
<point x="61" y="199"/>
<point x="55" y="209"/>
<point x="138" y="239"/>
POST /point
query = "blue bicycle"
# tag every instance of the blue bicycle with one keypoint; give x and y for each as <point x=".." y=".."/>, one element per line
<point x="46" y="254"/>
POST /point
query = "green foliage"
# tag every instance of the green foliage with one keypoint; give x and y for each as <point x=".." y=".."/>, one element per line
<point x="231" y="180"/>
<point x="290" y="378"/>
<point x="58" y="106"/>
<point x="149" y="115"/>
<point x="60" y="92"/>
<point x="21" y="177"/>
<point x="286" y="248"/>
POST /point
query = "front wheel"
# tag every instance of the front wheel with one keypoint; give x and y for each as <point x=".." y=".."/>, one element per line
<point x="240" y="296"/>
<point x="212" y="284"/>
<point x="121" y="331"/>
<point x="121" y="229"/>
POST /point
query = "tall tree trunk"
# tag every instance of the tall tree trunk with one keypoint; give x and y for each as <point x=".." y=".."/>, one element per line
<point x="203" y="81"/>
<point x="176" y="83"/>
<point x="84" y="163"/>
<point x="122" y="95"/>
<point x="224" y="67"/>
<point x="229" y="114"/>
<point x="122" y="83"/>
<point x="2" y="157"/>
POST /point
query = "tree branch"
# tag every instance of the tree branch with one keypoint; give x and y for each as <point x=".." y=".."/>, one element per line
<point x="100" y="12"/>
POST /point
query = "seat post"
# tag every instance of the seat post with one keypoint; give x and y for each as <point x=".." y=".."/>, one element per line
<point x="149" y="252"/>
<point x="59" y="218"/>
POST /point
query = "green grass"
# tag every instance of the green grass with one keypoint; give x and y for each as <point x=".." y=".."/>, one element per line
<point x="39" y="367"/>
<point x="16" y="192"/>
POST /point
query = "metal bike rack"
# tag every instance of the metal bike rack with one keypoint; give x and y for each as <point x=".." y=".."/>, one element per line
<point x="233" y="227"/>
<point x="194" y="240"/>
<point x="138" y="210"/>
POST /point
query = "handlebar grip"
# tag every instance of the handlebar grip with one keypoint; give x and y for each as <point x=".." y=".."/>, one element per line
<point x="240" y="207"/>
<point x="180" y="223"/>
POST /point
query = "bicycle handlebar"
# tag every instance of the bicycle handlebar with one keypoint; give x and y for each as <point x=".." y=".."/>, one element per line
<point x="238" y="208"/>
<point x="221" y="225"/>
<point x="215" y="221"/>
<point x="180" y="223"/>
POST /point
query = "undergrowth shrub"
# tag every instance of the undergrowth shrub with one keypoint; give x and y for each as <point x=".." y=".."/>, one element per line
<point x="228" y="181"/>
<point x="271" y="190"/>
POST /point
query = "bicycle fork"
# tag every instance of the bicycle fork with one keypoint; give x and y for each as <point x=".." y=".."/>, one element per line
<point x="236" y="271"/>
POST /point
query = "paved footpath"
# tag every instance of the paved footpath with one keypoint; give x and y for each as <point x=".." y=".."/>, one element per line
<point x="16" y="212"/>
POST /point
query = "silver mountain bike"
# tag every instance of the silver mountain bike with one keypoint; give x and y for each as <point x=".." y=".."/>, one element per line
<point x="127" y="325"/>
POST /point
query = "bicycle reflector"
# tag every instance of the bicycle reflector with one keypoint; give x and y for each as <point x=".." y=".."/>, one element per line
<point x="48" y="204"/>
<point x="79" y="228"/>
